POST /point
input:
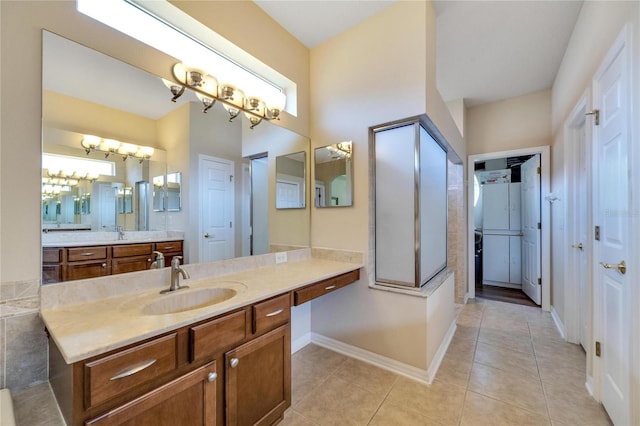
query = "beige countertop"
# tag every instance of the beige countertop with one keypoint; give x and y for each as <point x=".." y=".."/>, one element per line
<point x="84" y="330"/>
<point x="109" y="242"/>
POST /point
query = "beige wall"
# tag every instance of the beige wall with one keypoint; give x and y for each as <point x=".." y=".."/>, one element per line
<point x="599" y="23"/>
<point x="354" y="85"/>
<point x="515" y="123"/>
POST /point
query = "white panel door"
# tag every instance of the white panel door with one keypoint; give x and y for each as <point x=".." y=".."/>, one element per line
<point x="530" y="209"/>
<point x="217" y="240"/>
<point x="611" y="96"/>
<point x="287" y="195"/>
<point x="495" y="206"/>
<point x="515" y="259"/>
<point x="495" y="258"/>
<point x="514" y="206"/>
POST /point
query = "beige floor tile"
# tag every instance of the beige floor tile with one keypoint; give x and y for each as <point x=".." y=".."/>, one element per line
<point x="514" y="326"/>
<point x="394" y="415"/>
<point x="552" y="374"/>
<point x="292" y="418"/>
<point x="470" y="318"/>
<point x="574" y="407"/>
<point x="464" y="332"/>
<point x="461" y="348"/>
<point x="480" y="410"/>
<point x="338" y="402"/>
<point x="371" y="378"/>
<point x="321" y="357"/>
<point x="36" y="406"/>
<point x="551" y="354"/>
<point x="305" y="377"/>
<point x="506" y="339"/>
<point x="518" y="389"/>
<point x="545" y="331"/>
<point x="454" y="371"/>
<point x="440" y="402"/>
<point x="506" y="359"/>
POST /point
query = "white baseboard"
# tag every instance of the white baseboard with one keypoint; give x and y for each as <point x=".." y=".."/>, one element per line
<point x="558" y="322"/>
<point x="589" y="385"/>
<point x="440" y="353"/>
<point x="300" y="342"/>
<point x="372" y="358"/>
<point x="466" y="298"/>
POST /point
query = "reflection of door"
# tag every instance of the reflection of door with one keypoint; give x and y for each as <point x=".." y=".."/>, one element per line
<point x="611" y="90"/>
<point x="530" y="210"/>
<point x="287" y="194"/>
<point x="259" y="206"/>
<point x="216" y="209"/>
<point x="319" y="195"/>
<point x="107" y="206"/>
<point x="580" y="216"/>
<point x="246" y="210"/>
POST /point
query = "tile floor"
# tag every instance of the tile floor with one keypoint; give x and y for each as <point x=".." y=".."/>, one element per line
<point x="506" y="365"/>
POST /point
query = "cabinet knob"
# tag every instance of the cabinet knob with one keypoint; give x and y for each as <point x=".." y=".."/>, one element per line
<point x="104" y="265"/>
<point x="234" y="362"/>
<point x="212" y="376"/>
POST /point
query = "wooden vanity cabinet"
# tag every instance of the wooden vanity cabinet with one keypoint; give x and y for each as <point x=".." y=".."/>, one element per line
<point x="76" y="263"/>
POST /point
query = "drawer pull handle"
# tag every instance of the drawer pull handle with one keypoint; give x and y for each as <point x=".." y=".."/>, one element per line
<point x="133" y="369"/>
<point x="212" y="376"/>
<point x="274" y="313"/>
<point x="87" y="254"/>
<point x="168" y="248"/>
<point x="331" y="287"/>
<point x="234" y="362"/>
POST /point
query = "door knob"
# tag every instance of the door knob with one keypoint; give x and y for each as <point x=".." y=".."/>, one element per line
<point x="234" y="362"/>
<point x="206" y="235"/>
<point x="621" y="267"/>
<point x="212" y="376"/>
<point x="578" y="246"/>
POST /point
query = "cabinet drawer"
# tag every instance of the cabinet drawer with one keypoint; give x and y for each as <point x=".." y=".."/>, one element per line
<point x="86" y="253"/>
<point x="323" y="287"/>
<point x="271" y="313"/>
<point x="132" y="250"/>
<point x="84" y="270"/>
<point x="169" y="246"/>
<point x="217" y="335"/>
<point x="51" y="255"/>
<point x="130" y="264"/>
<point x="117" y="373"/>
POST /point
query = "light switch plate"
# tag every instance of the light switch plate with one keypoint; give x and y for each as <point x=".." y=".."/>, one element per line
<point x="281" y="257"/>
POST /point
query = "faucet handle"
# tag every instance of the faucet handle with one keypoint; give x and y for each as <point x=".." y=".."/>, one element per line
<point x="175" y="262"/>
<point x="159" y="255"/>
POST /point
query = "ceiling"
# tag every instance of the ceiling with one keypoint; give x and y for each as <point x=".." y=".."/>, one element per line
<point x="487" y="50"/>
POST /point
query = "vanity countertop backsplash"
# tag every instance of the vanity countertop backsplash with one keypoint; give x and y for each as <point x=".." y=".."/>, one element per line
<point x="79" y="238"/>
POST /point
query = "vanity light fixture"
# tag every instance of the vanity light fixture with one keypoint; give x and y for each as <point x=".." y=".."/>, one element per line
<point x="176" y="89"/>
<point x="233" y="99"/>
<point x="111" y="146"/>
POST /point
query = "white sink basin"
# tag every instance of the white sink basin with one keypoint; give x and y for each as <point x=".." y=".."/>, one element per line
<point x="187" y="300"/>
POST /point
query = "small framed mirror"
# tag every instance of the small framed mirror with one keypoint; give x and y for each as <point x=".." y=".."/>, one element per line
<point x="174" y="203"/>
<point x="290" y="181"/>
<point x="334" y="175"/>
<point x="158" y="194"/>
<point x="125" y="200"/>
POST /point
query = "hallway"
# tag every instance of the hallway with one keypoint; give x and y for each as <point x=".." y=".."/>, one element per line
<point x="507" y="365"/>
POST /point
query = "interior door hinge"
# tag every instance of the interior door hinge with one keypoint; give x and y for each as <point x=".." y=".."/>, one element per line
<point x="539" y="225"/>
<point x="230" y="178"/>
<point x="596" y="115"/>
<point x="539" y="281"/>
<point x="596" y="232"/>
<point x="539" y="170"/>
<point x="598" y="349"/>
<point x="230" y="224"/>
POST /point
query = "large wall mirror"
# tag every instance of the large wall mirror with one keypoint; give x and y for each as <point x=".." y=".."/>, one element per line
<point x="334" y="175"/>
<point x="88" y="93"/>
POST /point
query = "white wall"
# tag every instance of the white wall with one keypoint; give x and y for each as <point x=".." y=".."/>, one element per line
<point x="599" y="23"/>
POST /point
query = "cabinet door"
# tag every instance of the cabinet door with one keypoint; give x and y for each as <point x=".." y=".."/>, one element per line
<point x="187" y="400"/>
<point x="130" y="264"/>
<point x="495" y="206"/>
<point x="495" y="258"/>
<point x="258" y="379"/>
<point x="515" y="263"/>
<point x="514" y="206"/>
<point x="87" y="270"/>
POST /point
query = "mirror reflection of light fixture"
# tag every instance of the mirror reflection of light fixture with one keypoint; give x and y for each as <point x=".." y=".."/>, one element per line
<point x="176" y="89"/>
<point x="208" y="91"/>
<point x="111" y="146"/>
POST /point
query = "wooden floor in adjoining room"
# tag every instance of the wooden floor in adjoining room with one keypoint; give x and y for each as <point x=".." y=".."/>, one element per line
<point x="502" y="294"/>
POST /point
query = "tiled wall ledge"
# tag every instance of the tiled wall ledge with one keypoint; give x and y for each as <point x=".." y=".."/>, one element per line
<point x="19" y="298"/>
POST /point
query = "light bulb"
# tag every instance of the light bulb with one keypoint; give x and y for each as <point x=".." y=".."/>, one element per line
<point x="145" y="151"/>
<point x="111" y="145"/>
<point x="90" y="141"/>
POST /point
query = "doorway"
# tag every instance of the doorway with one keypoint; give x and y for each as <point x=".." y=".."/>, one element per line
<point x="496" y="250"/>
<point x="259" y="205"/>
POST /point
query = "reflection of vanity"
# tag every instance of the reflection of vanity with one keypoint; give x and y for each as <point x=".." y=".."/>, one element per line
<point x="83" y="260"/>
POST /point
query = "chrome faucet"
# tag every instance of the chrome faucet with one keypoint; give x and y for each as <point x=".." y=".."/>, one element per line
<point x="176" y="271"/>
<point x="159" y="262"/>
<point x="120" y="232"/>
